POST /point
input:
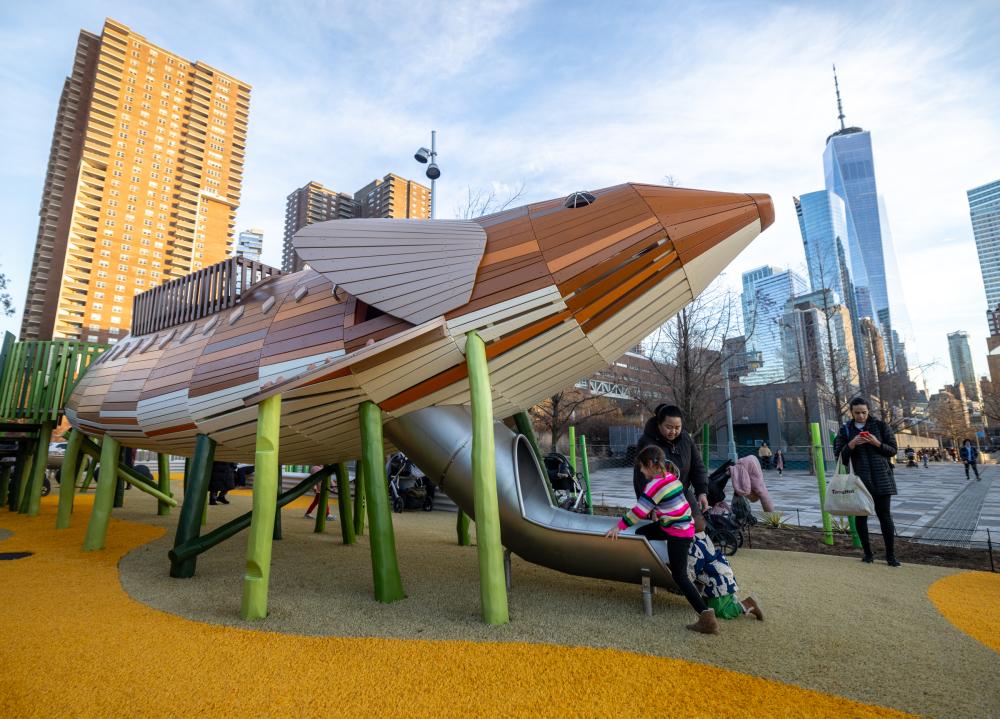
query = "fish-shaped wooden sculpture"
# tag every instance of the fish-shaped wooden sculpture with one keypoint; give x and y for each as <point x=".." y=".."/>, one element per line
<point x="557" y="290"/>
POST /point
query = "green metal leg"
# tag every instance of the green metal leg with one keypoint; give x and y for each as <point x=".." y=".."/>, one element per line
<point x="119" y="493"/>
<point x="100" y="515"/>
<point x="344" y="504"/>
<point x="189" y="524"/>
<point x="265" y="501"/>
<point x="14" y="496"/>
<point x="276" y="532"/>
<point x="462" y="529"/>
<point x="359" y="498"/>
<point x="324" y="505"/>
<point x="163" y="475"/>
<point x="492" y="579"/>
<point x="92" y="463"/>
<point x="385" y="568"/>
<point x="41" y="462"/>
<point x="24" y="481"/>
<point x="67" y="483"/>
<point x="523" y="423"/>
<point x="4" y="482"/>
<point x="586" y="474"/>
<point x="817" y="448"/>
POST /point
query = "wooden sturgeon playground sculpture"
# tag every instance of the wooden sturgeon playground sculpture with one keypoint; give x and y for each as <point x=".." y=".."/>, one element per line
<point x="556" y="290"/>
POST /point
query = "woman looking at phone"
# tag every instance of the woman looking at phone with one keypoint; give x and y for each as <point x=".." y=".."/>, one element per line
<point x="867" y="445"/>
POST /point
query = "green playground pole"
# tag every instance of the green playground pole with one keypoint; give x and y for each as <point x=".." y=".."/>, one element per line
<point x="586" y="473"/>
<point x="41" y="463"/>
<point x="492" y="578"/>
<point x="266" y="483"/>
<point x="195" y="498"/>
<point x="24" y="480"/>
<point x="67" y="482"/>
<point x="704" y="444"/>
<point x="92" y="463"/>
<point x="462" y="529"/>
<point x="104" y="497"/>
<point x="13" y="497"/>
<point x="572" y="447"/>
<point x="385" y="568"/>
<point x="4" y="482"/>
<point x="359" y="498"/>
<point x="276" y="532"/>
<point x="344" y="503"/>
<point x="855" y="539"/>
<point x="324" y="502"/>
<point x="817" y="448"/>
<point x="523" y="423"/>
<point x="163" y="475"/>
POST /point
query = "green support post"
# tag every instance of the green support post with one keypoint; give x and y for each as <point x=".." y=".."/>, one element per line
<point x="344" y="503"/>
<point x="24" y="480"/>
<point x="492" y="578"/>
<point x="385" y="567"/>
<point x="100" y="515"/>
<point x="266" y="483"/>
<point x="359" y="498"/>
<point x="119" y="493"/>
<point x="41" y="463"/>
<point x="88" y="476"/>
<point x="67" y="482"/>
<point x="704" y="444"/>
<point x="14" y="495"/>
<point x="276" y="531"/>
<point x="586" y="474"/>
<point x="523" y="423"/>
<point x="195" y="498"/>
<point x="818" y="462"/>
<point x="324" y="503"/>
<point x="572" y="445"/>
<point x="462" y="529"/>
<point x="4" y="482"/>
<point x="163" y="477"/>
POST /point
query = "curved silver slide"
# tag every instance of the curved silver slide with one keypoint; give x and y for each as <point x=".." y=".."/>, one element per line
<point x="439" y="441"/>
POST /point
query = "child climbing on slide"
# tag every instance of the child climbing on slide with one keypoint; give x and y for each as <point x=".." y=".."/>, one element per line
<point x="663" y="497"/>
<point x="709" y="570"/>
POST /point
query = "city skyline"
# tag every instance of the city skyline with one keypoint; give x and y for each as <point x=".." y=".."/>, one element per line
<point x="674" y="110"/>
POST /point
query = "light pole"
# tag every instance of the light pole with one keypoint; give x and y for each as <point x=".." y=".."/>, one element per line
<point x="427" y="157"/>
<point x="729" y="410"/>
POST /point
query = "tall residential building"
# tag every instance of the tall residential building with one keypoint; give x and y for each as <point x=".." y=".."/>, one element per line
<point x="307" y="205"/>
<point x="984" y="209"/>
<point x="250" y="244"/>
<point x="840" y="341"/>
<point x="872" y="351"/>
<point x="394" y="197"/>
<point x="849" y="170"/>
<point x="143" y="182"/>
<point x="766" y="290"/>
<point x="961" y="363"/>
<point x="804" y="345"/>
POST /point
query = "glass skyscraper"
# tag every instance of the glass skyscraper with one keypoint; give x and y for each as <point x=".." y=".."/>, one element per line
<point x="961" y="363"/>
<point x="766" y="290"/>
<point x="984" y="208"/>
<point x="823" y="224"/>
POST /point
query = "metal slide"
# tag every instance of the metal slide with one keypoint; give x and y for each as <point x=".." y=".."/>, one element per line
<point x="439" y="441"/>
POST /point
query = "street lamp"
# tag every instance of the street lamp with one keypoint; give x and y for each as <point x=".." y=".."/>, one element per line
<point x="427" y="157"/>
<point x="729" y="409"/>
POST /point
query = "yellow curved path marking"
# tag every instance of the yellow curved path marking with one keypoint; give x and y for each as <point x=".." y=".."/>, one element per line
<point x="74" y="644"/>
<point x="971" y="602"/>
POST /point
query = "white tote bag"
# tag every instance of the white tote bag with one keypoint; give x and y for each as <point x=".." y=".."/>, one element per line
<point x="847" y="496"/>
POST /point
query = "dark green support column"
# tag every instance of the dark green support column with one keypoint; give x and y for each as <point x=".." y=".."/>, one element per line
<point x="523" y="423"/>
<point x="324" y="506"/>
<point x="586" y="474"/>
<point x="276" y="531"/>
<point x="266" y="482"/>
<point x="385" y="568"/>
<point x="41" y="464"/>
<point x="14" y="496"/>
<point x="492" y="578"/>
<point x="67" y="483"/>
<point x="462" y="529"/>
<point x="344" y="504"/>
<point x="195" y="496"/>
<point x="4" y="482"/>
<point x="100" y="515"/>
<point x="24" y="480"/>
<point x="818" y="463"/>
<point x="163" y="477"/>
<point x="359" y="498"/>
<point x="119" y="493"/>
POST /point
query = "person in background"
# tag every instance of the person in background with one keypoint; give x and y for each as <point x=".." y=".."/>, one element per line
<point x="779" y="461"/>
<point x="764" y="455"/>
<point x="970" y="455"/>
<point x="317" y="490"/>
<point x="868" y="445"/>
<point x="222" y="480"/>
<point x="665" y="430"/>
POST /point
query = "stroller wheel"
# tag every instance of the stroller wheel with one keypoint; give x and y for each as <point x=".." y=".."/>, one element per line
<point x="727" y="542"/>
<point x="428" y="504"/>
<point x="397" y="505"/>
<point x="46" y="487"/>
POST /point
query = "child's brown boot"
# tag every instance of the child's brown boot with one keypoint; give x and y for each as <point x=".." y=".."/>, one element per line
<point x="706" y="623"/>
<point x="751" y="607"/>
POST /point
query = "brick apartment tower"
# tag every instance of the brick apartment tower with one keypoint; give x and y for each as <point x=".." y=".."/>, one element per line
<point x="142" y="185"/>
<point x="391" y="197"/>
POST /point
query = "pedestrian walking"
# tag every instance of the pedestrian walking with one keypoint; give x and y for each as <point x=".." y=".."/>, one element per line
<point x="779" y="461"/>
<point x="970" y="455"/>
<point x="764" y="455"/>
<point x="867" y="445"/>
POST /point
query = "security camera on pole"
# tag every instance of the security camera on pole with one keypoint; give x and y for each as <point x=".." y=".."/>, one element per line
<point x="425" y="156"/>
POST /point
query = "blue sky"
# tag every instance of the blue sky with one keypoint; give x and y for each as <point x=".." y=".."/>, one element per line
<point x="562" y="96"/>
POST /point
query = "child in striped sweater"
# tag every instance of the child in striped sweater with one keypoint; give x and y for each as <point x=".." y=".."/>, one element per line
<point x="664" y="499"/>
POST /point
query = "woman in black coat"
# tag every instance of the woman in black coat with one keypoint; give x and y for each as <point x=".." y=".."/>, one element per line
<point x="867" y="445"/>
<point x="222" y="480"/>
<point x="665" y="431"/>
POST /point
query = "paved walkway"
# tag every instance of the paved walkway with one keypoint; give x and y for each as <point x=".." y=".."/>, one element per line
<point x="936" y="504"/>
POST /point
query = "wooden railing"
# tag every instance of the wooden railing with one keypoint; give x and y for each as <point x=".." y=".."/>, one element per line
<point x="199" y="294"/>
<point x="36" y="378"/>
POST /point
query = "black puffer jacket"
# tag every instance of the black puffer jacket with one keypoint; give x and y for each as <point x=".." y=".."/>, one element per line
<point x="682" y="451"/>
<point x="870" y="463"/>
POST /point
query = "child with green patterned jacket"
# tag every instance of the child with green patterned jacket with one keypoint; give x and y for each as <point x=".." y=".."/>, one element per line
<point x="711" y="573"/>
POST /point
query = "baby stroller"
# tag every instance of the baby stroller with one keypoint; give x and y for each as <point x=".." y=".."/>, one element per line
<point x="408" y="487"/>
<point x="721" y="525"/>
<point x="565" y="482"/>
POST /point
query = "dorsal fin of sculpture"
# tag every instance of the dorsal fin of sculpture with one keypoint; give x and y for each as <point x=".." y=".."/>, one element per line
<point x="412" y="269"/>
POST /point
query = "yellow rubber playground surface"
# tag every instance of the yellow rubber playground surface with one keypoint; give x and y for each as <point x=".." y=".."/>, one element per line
<point x="75" y="644"/>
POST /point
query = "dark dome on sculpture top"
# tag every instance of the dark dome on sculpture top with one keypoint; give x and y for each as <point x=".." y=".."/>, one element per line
<point x="579" y="199"/>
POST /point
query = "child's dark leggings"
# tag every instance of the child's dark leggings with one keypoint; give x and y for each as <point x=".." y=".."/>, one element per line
<point x="882" y="511"/>
<point x="677" y="551"/>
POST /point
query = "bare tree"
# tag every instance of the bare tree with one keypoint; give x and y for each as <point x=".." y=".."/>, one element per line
<point x="949" y="417"/>
<point x="485" y="201"/>
<point x="555" y="414"/>
<point x="6" y="301"/>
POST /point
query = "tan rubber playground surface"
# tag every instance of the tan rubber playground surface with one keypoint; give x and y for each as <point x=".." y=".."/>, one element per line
<point x="838" y="641"/>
